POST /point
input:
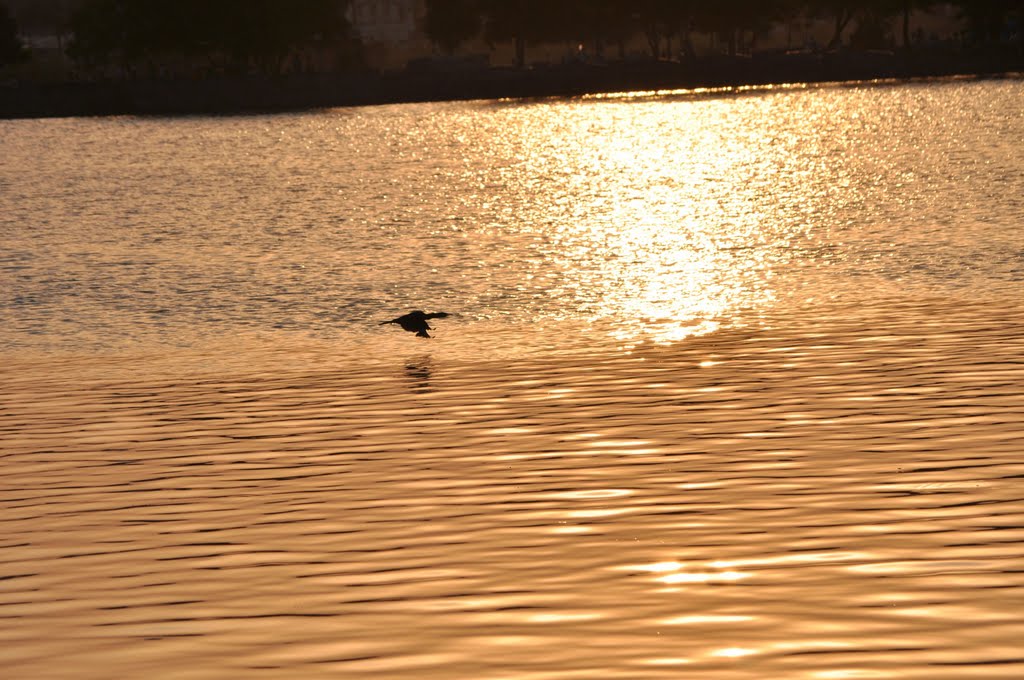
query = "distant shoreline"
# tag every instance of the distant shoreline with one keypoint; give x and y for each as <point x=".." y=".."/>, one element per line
<point x="248" y="95"/>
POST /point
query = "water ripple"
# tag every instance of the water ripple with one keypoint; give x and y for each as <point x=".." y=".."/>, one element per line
<point x="834" y="498"/>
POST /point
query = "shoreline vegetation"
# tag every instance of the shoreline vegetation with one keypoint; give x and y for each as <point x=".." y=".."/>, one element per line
<point x="430" y="81"/>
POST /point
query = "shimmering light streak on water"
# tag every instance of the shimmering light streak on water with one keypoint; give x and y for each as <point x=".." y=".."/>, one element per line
<point x="638" y="218"/>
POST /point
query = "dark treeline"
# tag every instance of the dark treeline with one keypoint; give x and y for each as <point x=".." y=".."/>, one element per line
<point x="11" y="49"/>
<point x="224" y="35"/>
<point x="610" y="23"/>
<point x="148" y="37"/>
<point x="201" y="56"/>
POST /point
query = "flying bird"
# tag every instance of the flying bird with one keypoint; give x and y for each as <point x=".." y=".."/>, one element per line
<point x="416" y="321"/>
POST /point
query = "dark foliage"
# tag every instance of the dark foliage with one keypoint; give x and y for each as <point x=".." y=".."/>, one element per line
<point x="243" y="34"/>
<point x="11" y="49"/>
<point x="987" y="19"/>
<point x="602" y="23"/>
<point x="450" y="23"/>
<point x="246" y="35"/>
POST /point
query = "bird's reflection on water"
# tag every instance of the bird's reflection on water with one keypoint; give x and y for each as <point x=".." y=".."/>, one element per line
<point x="419" y="371"/>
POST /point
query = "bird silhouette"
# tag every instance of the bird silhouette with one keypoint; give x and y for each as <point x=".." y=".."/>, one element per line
<point x="416" y="321"/>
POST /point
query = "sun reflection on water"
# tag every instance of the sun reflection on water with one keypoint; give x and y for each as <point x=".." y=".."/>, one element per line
<point x="733" y="652"/>
<point x="705" y="619"/>
<point x="662" y="222"/>
<point x="651" y="216"/>
<point x="674" y="573"/>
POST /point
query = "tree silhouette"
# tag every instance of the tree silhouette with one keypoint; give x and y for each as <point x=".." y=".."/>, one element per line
<point x="730" y="18"/>
<point x="11" y="49"/>
<point x="904" y="9"/>
<point x="988" y="18"/>
<point x="524" y="22"/>
<point x="662" y="20"/>
<point x="246" y="35"/>
<point x="243" y="34"/>
<point x="609" y="22"/>
<point x="841" y="12"/>
<point x="450" y="23"/>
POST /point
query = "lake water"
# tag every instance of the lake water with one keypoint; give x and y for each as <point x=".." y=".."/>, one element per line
<point x="642" y="217"/>
<point x="731" y="388"/>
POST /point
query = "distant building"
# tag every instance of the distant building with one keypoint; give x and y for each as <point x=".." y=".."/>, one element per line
<point x="387" y="21"/>
<point x="391" y="31"/>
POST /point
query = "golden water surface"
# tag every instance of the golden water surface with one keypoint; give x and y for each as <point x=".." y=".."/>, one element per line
<point x="838" y="499"/>
<point x="731" y="389"/>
